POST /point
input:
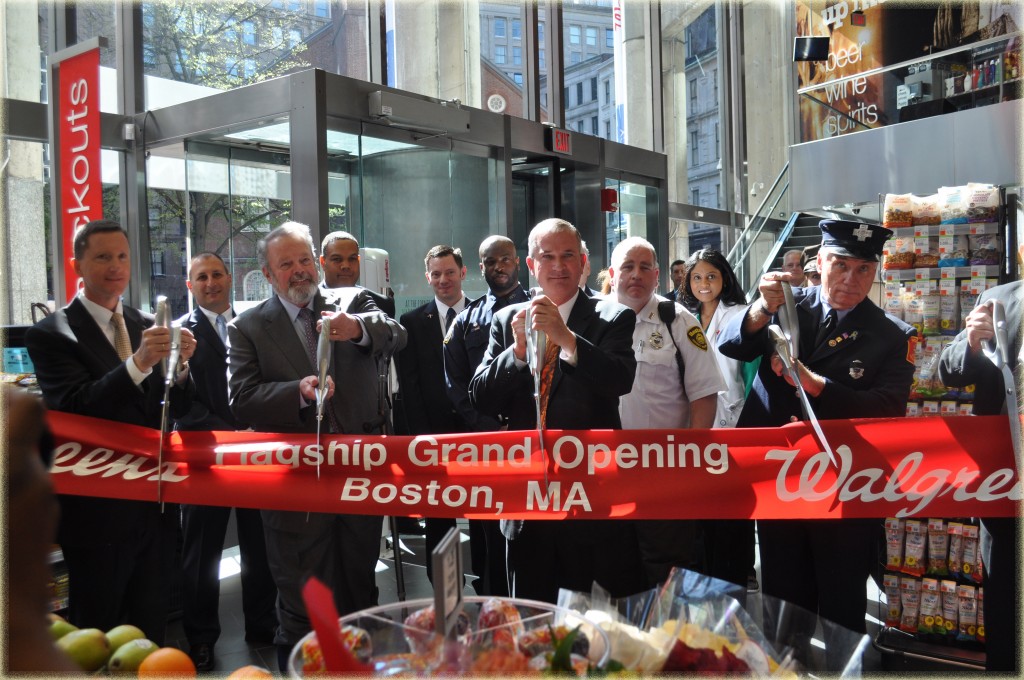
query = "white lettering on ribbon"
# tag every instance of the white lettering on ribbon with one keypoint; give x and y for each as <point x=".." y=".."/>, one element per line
<point x="904" y="484"/>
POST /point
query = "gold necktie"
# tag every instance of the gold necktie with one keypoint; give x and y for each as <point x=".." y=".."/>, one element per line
<point x="122" y="343"/>
<point x="547" y="374"/>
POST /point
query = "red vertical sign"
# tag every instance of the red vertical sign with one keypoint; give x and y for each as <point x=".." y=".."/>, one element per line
<point x="78" y="157"/>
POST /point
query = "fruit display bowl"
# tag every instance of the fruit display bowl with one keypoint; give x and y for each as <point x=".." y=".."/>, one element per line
<point x="494" y="636"/>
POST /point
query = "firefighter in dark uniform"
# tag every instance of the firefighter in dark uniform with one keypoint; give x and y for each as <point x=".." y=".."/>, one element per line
<point x="464" y="348"/>
<point x="854" y="361"/>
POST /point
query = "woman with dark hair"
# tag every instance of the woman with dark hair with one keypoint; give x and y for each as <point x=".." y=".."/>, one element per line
<point x="712" y="292"/>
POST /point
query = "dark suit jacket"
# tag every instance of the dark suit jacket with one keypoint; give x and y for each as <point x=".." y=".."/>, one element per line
<point x="582" y="397"/>
<point x="424" y="391"/>
<point x="958" y="367"/>
<point x="266" y="361"/>
<point x="867" y="362"/>
<point x="210" y="410"/>
<point x="79" y="372"/>
<point x="386" y="303"/>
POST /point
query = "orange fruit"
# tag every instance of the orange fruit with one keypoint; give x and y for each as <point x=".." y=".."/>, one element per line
<point x="250" y="673"/>
<point x="167" y="661"/>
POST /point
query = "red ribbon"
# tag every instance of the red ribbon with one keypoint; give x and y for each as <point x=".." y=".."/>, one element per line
<point x="924" y="467"/>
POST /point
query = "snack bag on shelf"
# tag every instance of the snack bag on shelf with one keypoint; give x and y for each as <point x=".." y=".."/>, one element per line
<point x="953" y="250"/>
<point x="981" y="615"/>
<point x="949" y="313"/>
<point x="913" y="311"/>
<point x="899" y="253"/>
<point x="952" y="208"/>
<point x="910" y="597"/>
<point x="894" y="531"/>
<point x="930" y="313"/>
<point x="950" y="607"/>
<point x="929" y="620"/>
<point x="938" y="542"/>
<point x="956" y="547"/>
<point x="926" y="251"/>
<point x="967" y="613"/>
<point x="898" y="210"/>
<point x="982" y="203"/>
<point x="984" y="249"/>
<point x="913" y="553"/>
<point x="891" y="583"/>
<point x="969" y="557"/>
<point x="925" y="210"/>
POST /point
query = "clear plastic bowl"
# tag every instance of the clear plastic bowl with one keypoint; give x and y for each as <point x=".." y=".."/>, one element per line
<point x="401" y="649"/>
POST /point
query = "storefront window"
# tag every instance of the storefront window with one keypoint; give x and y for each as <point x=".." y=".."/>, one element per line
<point x="194" y="48"/>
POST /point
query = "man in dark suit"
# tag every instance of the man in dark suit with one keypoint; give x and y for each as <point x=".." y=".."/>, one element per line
<point x="855" y="361"/>
<point x="205" y="526"/>
<point x="339" y="259"/>
<point x="272" y="378"/>
<point x="677" y="272"/>
<point x="464" y="349"/>
<point x="426" y="407"/>
<point x="591" y="366"/>
<point x="97" y="357"/>
<point x="964" y="363"/>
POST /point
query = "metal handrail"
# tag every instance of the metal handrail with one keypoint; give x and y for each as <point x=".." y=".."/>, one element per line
<point x="732" y="256"/>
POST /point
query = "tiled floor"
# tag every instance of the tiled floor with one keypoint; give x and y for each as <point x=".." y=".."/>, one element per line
<point x="232" y="652"/>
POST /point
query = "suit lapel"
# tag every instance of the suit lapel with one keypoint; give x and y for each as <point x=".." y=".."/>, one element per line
<point x="281" y="331"/>
<point x="579" y="322"/>
<point x="206" y="333"/>
<point x="90" y="336"/>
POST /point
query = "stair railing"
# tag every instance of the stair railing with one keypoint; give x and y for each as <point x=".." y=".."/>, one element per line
<point x="757" y="232"/>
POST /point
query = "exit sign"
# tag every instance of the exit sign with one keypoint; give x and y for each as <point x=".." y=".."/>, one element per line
<point x="559" y="141"/>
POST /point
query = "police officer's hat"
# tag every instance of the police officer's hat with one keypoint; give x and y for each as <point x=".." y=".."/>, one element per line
<point x="854" y="239"/>
<point x="811" y="267"/>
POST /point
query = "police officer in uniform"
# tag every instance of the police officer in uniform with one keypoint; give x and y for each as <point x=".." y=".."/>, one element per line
<point x="664" y="395"/>
<point x="855" y="361"/>
<point x="464" y="348"/>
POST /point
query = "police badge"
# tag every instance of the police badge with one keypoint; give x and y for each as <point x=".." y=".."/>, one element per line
<point x="856" y="369"/>
<point x="657" y="340"/>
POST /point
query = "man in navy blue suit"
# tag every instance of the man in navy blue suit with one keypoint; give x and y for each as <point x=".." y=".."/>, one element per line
<point x="594" y="365"/>
<point x="204" y="526"/>
<point x="464" y="349"/>
<point x="426" y="405"/>
<point x="99" y="357"/>
<point x="854" y="361"/>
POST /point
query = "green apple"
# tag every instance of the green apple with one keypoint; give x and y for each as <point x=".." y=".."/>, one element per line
<point x="59" y="627"/>
<point x="87" y="647"/>
<point x="129" y="656"/>
<point x="121" y="634"/>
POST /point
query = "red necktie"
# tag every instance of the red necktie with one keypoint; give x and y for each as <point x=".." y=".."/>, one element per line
<point x="547" y="374"/>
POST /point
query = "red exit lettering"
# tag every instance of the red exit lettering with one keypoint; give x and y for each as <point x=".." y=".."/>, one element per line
<point x="563" y="142"/>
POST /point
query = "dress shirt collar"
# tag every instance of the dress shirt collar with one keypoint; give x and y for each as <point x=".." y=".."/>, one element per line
<point x="99" y="313"/>
<point x="228" y="315"/>
<point x="442" y="308"/>
<point x="293" y="309"/>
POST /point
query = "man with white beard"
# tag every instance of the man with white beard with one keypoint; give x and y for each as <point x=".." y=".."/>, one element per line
<point x="272" y="381"/>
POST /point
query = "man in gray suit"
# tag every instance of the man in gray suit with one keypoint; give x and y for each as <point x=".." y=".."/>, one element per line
<point x="272" y="381"/>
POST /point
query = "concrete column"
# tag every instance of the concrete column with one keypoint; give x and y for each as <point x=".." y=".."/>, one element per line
<point x="438" y="49"/>
<point x="638" y="98"/>
<point x="23" y="251"/>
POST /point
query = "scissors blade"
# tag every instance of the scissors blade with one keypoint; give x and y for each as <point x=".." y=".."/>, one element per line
<point x="1014" y="415"/>
<point x="782" y="346"/>
<point x="164" y="408"/>
<point x="790" y="324"/>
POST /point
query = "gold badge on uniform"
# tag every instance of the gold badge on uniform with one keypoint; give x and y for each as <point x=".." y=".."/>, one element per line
<point x="697" y="339"/>
<point x="656" y="341"/>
